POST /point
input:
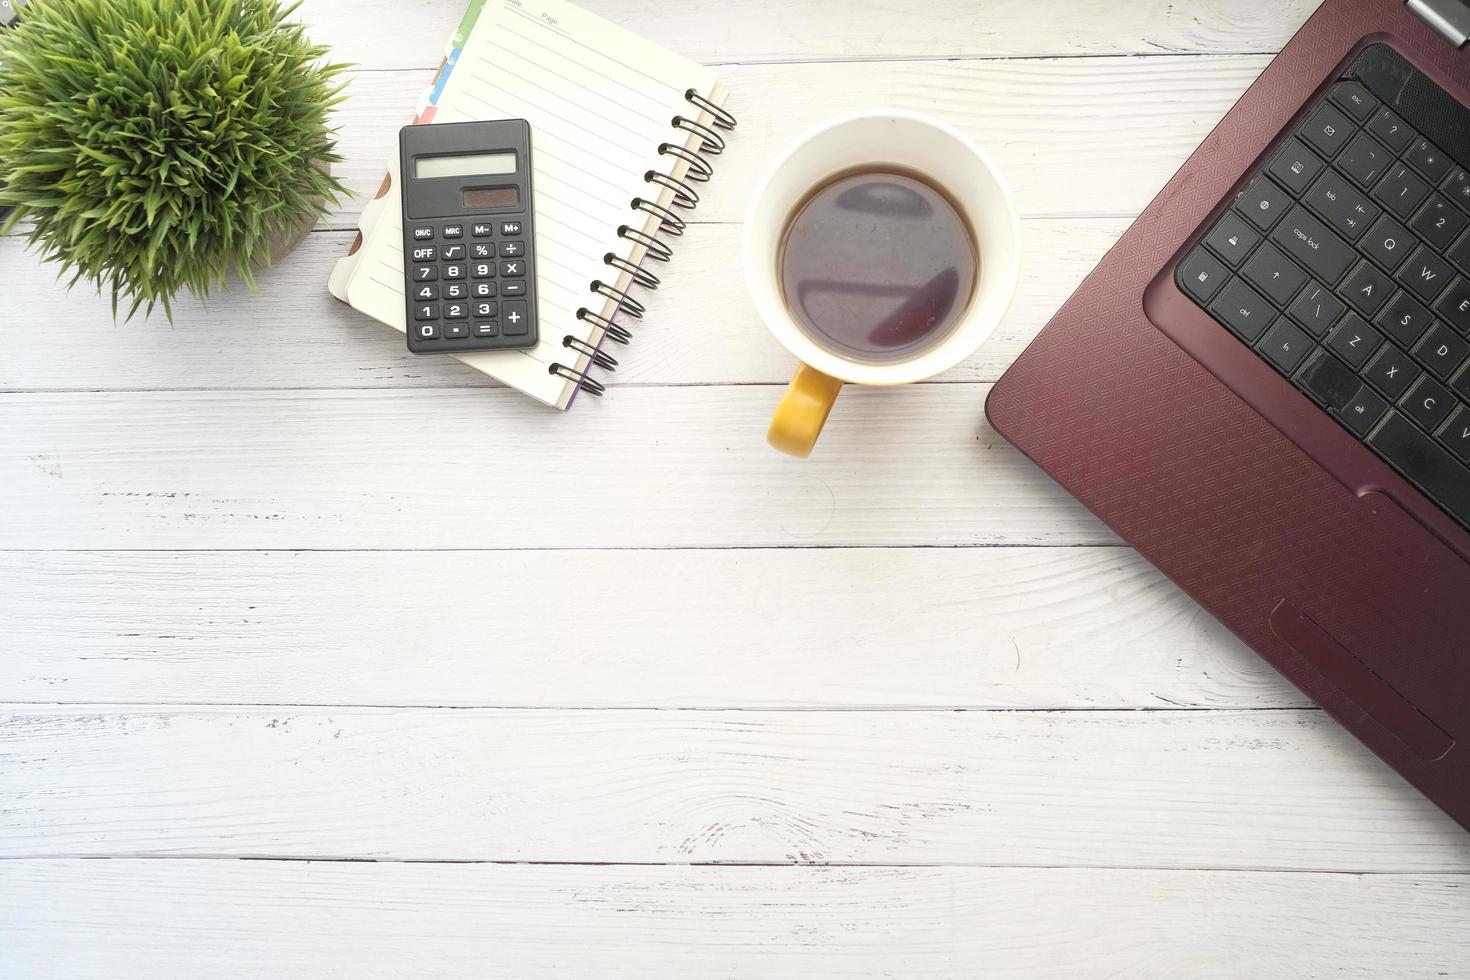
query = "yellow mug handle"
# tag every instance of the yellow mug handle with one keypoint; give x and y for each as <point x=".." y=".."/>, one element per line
<point x="803" y="411"/>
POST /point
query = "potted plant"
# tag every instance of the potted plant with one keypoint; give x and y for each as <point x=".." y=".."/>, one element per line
<point x="162" y="145"/>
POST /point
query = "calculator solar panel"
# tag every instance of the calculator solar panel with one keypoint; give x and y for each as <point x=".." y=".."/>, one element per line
<point x="1345" y="265"/>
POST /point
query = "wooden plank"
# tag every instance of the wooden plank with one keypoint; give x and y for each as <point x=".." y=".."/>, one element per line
<point x="986" y="628"/>
<point x="1074" y="135"/>
<point x="641" y="468"/>
<point x="700" y="328"/>
<point x="372" y="32"/>
<point x="1164" y="789"/>
<point x="120" y="919"/>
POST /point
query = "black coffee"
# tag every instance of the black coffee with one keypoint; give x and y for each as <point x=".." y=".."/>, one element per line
<point x="878" y="265"/>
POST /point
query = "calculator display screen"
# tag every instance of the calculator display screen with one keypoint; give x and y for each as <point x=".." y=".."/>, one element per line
<point x="465" y="165"/>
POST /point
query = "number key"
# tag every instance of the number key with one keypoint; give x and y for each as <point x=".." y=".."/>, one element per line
<point x="426" y="292"/>
<point x="454" y="272"/>
<point x="456" y="311"/>
<point x="455" y="290"/>
<point x="1457" y="186"/>
<point x="1401" y="191"/>
<point x="1439" y="222"/>
<point x="426" y="311"/>
<point x="425" y="273"/>
<point x="483" y="270"/>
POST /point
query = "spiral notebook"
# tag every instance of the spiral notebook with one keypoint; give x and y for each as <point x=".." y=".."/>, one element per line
<point x="622" y="131"/>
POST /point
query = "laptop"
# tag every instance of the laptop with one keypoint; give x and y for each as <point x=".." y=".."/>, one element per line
<point x="1264" y="386"/>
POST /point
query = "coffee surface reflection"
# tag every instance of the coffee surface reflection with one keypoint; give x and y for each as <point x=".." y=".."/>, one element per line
<point x="878" y="266"/>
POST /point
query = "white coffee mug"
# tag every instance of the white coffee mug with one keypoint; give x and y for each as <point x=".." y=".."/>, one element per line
<point x="908" y="141"/>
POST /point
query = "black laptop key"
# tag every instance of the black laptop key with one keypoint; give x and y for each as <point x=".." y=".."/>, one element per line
<point x="1328" y="130"/>
<point x="1328" y="380"/>
<point x="1364" y="160"/>
<point x="1354" y="341"/>
<point x="1232" y="239"/>
<point x="1367" y="288"/>
<point x="1392" y="130"/>
<point x="1353" y="99"/>
<point x="1391" y="372"/>
<point x="1455" y="435"/>
<point x="1442" y="351"/>
<point x="1425" y="274"/>
<point x="1388" y="243"/>
<point x="1404" y="319"/>
<point x="1285" y="345"/>
<point x="1439" y="222"/>
<point x="1202" y="275"/>
<point x="1362" y="411"/>
<point x="1263" y="203"/>
<point x="1315" y="245"/>
<point x="1401" y="191"/>
<point x="1316" y="310"/>
<point x="1425" y="464"/>
<point x="1344" y="206"/>
<point x="1461" y="384"/>
<point x="1243" y="310"/>
<point x="1274" y="274"/>
<point x="1429" y="160"/>
<point x="1454" y="305"/>
<point x="1295" y="167"/>
<point x="1428" y="403"/>
<point x="1459" y="253"/>
<point x="1457" y="187"/>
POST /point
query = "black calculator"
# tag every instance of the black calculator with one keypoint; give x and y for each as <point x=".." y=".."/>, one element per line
<point x="468" y="268"/>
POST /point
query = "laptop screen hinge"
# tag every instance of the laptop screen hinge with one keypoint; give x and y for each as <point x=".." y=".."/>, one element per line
<point x="1449" y="17"/>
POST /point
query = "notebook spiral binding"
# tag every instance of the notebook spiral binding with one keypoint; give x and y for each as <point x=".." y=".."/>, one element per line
<point x="670" y="224"/>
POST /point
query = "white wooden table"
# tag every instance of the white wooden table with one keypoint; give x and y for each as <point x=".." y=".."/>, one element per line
<point x="901" y="710"/>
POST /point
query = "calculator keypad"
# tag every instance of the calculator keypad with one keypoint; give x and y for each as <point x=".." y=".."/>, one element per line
<point x="460" y="272"/>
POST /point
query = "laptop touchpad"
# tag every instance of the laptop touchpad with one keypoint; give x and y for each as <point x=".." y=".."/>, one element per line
<point x="1360" y="683"/>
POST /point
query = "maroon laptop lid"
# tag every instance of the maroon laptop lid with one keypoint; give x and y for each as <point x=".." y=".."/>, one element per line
<point x="1238" y="487"/>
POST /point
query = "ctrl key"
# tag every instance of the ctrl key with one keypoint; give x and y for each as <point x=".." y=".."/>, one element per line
<point x="1243" y="310"/>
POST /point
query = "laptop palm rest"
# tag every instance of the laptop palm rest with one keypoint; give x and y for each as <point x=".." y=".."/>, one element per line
<point x="1359" y="683"/>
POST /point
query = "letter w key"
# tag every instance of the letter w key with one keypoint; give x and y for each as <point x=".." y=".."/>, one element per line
<point x="1425" y="275"/>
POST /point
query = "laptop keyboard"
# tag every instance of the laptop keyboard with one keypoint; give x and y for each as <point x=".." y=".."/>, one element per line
<point x="1345" y="265"/>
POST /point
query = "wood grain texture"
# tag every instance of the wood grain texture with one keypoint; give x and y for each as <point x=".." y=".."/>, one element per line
<point x="813" y="30"/>
<point x="641" y="468"/>
<point x="1074" y="136"/>
<point x="98" y="920"/>
<point x="808" y="628"/>
<point x="701" y="327"/>
<point x="1161" y="789"/>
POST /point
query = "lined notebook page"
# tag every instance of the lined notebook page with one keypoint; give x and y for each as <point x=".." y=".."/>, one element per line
<point x="600" y="101"/>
